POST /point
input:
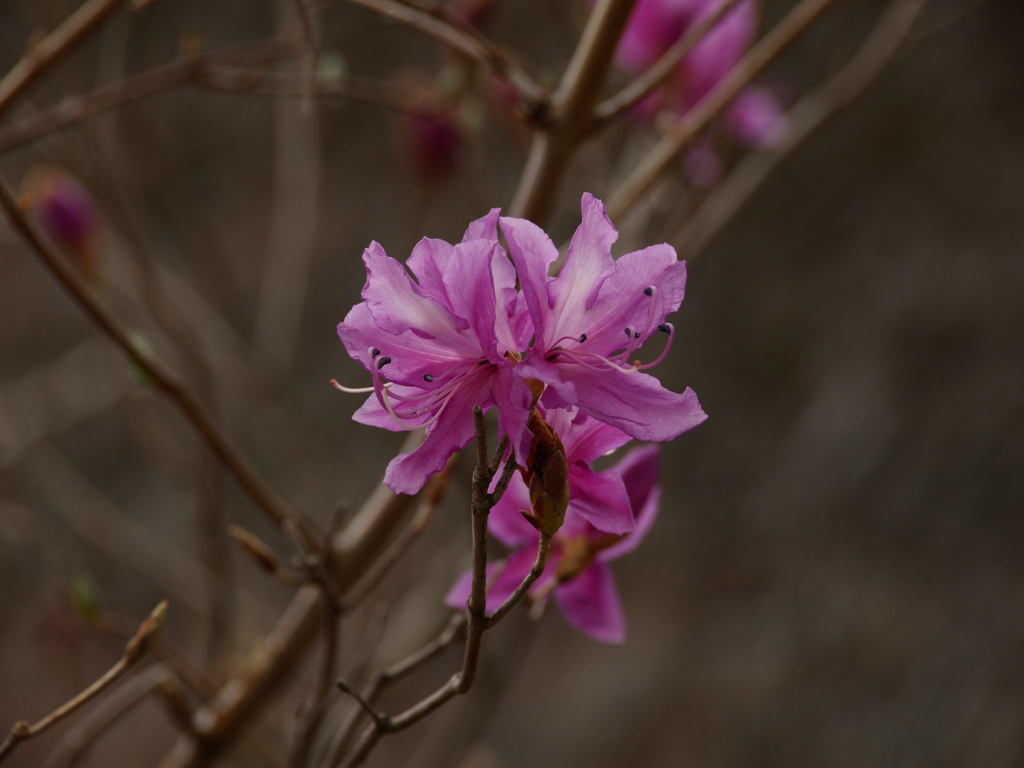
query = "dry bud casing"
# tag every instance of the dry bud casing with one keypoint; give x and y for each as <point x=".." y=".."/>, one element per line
<point x="547" y="477"/>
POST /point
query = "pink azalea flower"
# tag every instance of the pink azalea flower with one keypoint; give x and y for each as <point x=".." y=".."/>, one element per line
<point x="755" y="118"/>
<point x="590" y="320"/>
<point x="577" y="572"/>
<point x="460" y="335"/>
<point x="445" y="342"/>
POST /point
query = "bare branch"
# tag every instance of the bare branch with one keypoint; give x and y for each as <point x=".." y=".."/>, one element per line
<point x="287" y="518"/>
<point x="696" y="119"/>
<point x="76" y="108"/>
<point x="555" y="143"/>
<point x="137" y="646"/>
<point x="53" y="47"/>
<point x="471" y="44"/>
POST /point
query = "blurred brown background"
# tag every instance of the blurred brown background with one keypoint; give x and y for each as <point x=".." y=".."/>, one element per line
<point x="836" y="578"/>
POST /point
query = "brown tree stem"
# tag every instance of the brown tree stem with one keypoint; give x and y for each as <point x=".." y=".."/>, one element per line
<point x="554" y="144"/>
<point x="48" y="51"/>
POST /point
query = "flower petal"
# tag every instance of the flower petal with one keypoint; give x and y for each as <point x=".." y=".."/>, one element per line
<point x="588" y="264"/>
<point x="600" y="498"/>
<point x="484" y="228"/>
<point x="506" y="521"/>
<point x="560" y="393"/>
<point x="584" y="438"/>
<point x="411" y="356"/>
<point x="452" y="432"/>
<point x="513" y="399"/>
<point x="532" y="253"/>
<point x="396" y="304"/>
<point x="634" y="402"/>
<point x="428" y="261"/>
<point x="640" y="471"/>
<point x="469" y="279"/>
<point x="591" y="603"/>
<point x="458" y="595"/>
<point x="511" y="576"/>
<point x="756" y="118"/>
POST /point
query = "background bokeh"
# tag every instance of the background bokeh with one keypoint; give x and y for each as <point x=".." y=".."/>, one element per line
<point x="836" y="577"/>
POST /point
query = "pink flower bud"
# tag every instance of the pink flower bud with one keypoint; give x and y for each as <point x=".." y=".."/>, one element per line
<point x="66" y="211"/>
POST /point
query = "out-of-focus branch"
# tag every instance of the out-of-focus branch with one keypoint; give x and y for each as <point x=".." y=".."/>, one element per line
<point x="182" y="70"/>
<point x="569" y="115"/>
<point x="658" y="72"/>
<point x="696" y="119"/>
<point x="287" y="518"/>
<point x="136" y="648"/>
<point x="809" y="114"/>
<point x="433" y="493"/>
<point x="469" y="43"/>
<point x="48" y="51"/>
<point x="77" y="740"/>
<point x="380" y="93"/>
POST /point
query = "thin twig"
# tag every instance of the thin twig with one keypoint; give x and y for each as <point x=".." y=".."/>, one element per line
<point x="543" y="549"/>
<point x="660" y="71"/>
<point x="555" y="143"/>
<point x="137" y="646"/>
<point x="471" y="44"/>
<point x="160" y="78"/>
<point x="53" y="47"/>
<point x="433" y="494"/>
<point x="809" y="114"/>
<point x="696" y="119"/>
<point x="477" y="621"/>
<point x="287" y="518"/>
<point x="76" y="741"/>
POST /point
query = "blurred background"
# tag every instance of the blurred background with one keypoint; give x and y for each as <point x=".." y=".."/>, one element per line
<point x="836" y="576"/>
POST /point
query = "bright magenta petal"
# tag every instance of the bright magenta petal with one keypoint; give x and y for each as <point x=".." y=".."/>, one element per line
<point x="452" y="432"/>
<point x="634" y="402"/>
<point x="640" y="471"/>
<point x="484" y="228"/>
<point x="600" y="498"/>
<point x="591" y="604"/>
<point x="506" y="521"/>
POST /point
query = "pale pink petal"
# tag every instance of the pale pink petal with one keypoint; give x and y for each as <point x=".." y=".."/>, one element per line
<point x="428" y="261"/>
<point x="484" y="228"/>
<point x="397" y="306"/>
<point x="373" y="414"/>
<point x="469" y="280"/>
<point x="600" y="498"/>
<point x="644" y="288"/>
<point x="458" y="595"/>
<point x="513" y="399"/>
<point x="560" y="392"/>
<point x="591" y="603"/>
<point x="532" y="253"/>
<point x="719" y="50"/>
<point x="588" y="264"/>
<point x="517" y="566"/>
